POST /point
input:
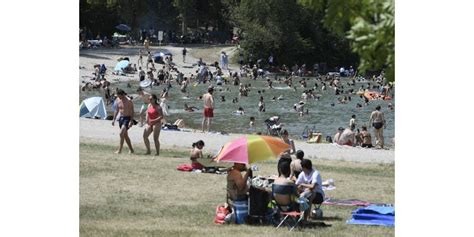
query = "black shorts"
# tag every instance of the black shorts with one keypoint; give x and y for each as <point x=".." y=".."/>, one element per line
<point x="377" y="125"/>
<point x="124" y="120"/>
<point x="318" y="198"/>
<point x="142" y="78"/>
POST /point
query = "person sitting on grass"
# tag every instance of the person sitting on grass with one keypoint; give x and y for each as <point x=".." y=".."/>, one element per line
<point x="309" y="185"/>
<point x="196" y="153"/>
<point x="284" y="189"/>
<point x="236" y="184"/>
<point x="295" y="165"/>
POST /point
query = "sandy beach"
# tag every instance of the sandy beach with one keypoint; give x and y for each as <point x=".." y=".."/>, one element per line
<point x="102" y="131"/>
<point x="109" y="57"/>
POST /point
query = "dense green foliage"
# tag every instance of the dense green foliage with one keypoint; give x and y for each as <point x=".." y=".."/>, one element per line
<point x="368" y="24"/>
<point x="292" y="33"/>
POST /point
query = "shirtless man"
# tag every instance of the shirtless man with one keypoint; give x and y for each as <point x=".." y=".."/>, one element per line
<point x="208" y="108"/>
<point x="125" y="109"/>
<point x="145" y="97"/>
<point x="378" y="122"/>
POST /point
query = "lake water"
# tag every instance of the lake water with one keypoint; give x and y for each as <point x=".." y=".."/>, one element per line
<point x="322" y="116"/>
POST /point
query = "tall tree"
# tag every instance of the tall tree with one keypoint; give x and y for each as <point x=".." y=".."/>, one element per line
<point x="368" y="24"/>
<point x="292" y="33"/>
<point x="187" y="10"/>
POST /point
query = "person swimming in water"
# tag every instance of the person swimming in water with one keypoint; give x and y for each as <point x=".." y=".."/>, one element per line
<point x="188" y="108"/>
<point x="239" y="111"/>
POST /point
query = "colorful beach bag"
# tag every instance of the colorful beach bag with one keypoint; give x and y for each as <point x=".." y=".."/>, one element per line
<point x="221" y="213"/>
<point x="241" y="211"/>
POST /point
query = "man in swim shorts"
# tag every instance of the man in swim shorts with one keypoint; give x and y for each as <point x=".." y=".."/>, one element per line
<point x="377" y="120"/>
<point x="125" y="110"/>
<point x="208" y="108"/>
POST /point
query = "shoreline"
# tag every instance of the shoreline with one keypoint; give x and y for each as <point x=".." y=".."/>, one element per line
<point x="102" y="131"/>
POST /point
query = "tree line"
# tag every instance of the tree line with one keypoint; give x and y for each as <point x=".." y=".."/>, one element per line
<point x="360" y="33"/>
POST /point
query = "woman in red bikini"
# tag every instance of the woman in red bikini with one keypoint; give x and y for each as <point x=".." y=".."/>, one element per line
<point x="154" y="114"/>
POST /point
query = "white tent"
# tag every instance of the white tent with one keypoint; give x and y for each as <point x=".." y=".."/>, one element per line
<point x="93" y="107"/>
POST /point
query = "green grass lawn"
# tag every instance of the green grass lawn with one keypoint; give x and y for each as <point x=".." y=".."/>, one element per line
<point x="139" y="195"/>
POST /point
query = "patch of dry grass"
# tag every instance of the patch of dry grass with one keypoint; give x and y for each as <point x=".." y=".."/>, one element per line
<point x="211" y="54"/>
<point x="138" y="195"/>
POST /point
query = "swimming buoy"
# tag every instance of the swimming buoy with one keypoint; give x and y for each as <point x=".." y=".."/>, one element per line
<point x="145" y="83"/>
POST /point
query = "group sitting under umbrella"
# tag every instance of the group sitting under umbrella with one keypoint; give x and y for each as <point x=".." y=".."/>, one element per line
<point x="307" y="185"/>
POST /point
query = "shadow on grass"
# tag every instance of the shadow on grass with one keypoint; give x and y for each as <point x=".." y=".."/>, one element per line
<point x="332" y="218"/>
<point x="314" y="225"/>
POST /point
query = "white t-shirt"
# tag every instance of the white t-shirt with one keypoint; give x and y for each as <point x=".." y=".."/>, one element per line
<point x="313" y="177"/>
<point x="352" y="122"/>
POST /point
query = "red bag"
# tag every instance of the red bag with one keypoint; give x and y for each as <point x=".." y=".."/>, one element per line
<point x="185" y="167"/>
<point x="221" y="213"/>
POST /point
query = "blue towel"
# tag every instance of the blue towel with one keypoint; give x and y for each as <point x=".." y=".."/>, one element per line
<point x="373" y="215"/>
<point x="384" y="210"/>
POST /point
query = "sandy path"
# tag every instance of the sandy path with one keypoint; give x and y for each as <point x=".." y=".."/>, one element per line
<point x="101" y="131"/>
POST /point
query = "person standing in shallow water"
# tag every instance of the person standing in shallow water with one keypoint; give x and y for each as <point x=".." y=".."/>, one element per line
<point x="208" y="108"/>
<point x="377" y="120"/>
<point x="125" y="110"/>
<point x="154" y="115"/>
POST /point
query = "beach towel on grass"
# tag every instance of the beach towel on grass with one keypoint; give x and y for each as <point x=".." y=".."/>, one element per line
<point x="373" y="215"/>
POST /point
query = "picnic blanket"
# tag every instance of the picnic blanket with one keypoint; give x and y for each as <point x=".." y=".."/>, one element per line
<point x="383" y="215"/>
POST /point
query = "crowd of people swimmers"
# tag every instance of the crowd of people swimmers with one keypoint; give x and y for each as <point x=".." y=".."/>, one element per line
<point x="154" y="109"/>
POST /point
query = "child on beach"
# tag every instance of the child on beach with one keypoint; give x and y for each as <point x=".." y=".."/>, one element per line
<point x="252" y="124"/>
<point x="352" y="122"/>
<point x="366" y="138"/>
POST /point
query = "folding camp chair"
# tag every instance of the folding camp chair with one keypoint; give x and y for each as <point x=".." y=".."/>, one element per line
<point x="286" y="207"/>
